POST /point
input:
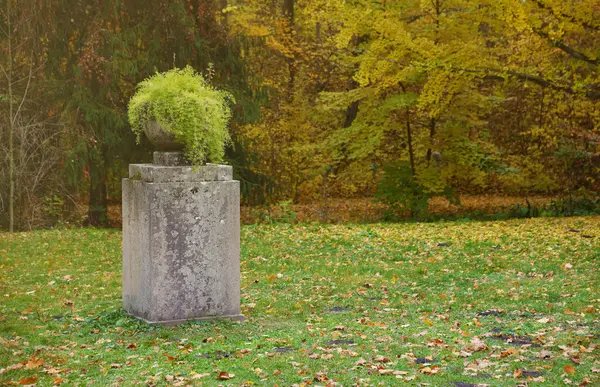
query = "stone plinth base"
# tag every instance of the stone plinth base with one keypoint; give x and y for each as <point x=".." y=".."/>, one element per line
<point x="181" y="243"/>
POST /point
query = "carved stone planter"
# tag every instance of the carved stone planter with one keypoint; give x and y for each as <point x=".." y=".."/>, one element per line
<point x="162" y="139"/>
<point x="181" y="241"/>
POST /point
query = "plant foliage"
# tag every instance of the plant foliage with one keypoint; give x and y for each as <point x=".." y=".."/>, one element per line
<point x="185" y="104"/>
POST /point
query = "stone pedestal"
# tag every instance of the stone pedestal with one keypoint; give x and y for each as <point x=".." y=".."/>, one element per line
<point x="181" y="241"/>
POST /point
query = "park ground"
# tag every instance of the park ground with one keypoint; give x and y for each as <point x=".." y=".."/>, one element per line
<point x="458" y="304"/>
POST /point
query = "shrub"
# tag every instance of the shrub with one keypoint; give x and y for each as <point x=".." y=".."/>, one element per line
<point x="403" y="192"/>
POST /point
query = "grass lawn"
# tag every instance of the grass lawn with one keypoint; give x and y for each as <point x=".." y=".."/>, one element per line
<point x="513" y="303"/>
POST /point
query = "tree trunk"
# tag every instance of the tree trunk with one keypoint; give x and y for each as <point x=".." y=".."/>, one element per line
<point x="288" y="10"/>
<point x="11" y="127"/>
<point x="288" y="13"/>
<point x="432" y="123"/>
<point x="97" y="214"/>
<point x="411" y="153"/>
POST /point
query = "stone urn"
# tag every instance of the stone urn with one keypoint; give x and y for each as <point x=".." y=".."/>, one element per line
<point x="161" y="138"/>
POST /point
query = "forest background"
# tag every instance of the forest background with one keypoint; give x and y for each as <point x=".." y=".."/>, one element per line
<point x="403" y="101"/>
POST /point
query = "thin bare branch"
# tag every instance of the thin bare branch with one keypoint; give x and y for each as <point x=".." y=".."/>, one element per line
<point x="14" y="118"/>
<point x="567" y="49"/>
<point x="4" y="72"/>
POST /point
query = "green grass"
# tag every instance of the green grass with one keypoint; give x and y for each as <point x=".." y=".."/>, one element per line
<point x="324" y="304"/>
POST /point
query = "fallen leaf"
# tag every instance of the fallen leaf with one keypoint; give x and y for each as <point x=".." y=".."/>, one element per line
<point x="381" y="359"/>
<point x="12" y="367"/>
<point x="224" y="376"/>
<point x="28" y="380"/>
<point x="544" y="354"/>
<point x="478" y="344"/>
<point x="430" y="370"/>
<point x="569" y="369"/>
<point x="321" y="377"/>
<point x="34" y="363"/>
<point x="508" y="352"/>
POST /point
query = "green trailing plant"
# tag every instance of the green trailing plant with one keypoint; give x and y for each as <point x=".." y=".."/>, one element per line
<point x="183" y="103"/>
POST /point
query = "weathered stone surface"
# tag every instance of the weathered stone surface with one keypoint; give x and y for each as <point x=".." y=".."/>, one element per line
<point x="160" y="174"/>
<point x="181" y="243"/>
<point x="169" y="159"/>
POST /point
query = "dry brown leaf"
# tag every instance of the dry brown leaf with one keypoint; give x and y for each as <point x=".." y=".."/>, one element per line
<point x="436" y="343"/>
<point x="12" y="367"/>
<point x="381" y="359"/>
<point x="569" y="369"/>
<point x="34" y="363"/>
<point x="430" y="370"/>
<point x="225" y="376"/>
<point x="28" y="380"/>
<point x="544" y="354"/>
<point x="508" y="352"/>
<point x="321" y="377"/>
<point x="478" y="344"/>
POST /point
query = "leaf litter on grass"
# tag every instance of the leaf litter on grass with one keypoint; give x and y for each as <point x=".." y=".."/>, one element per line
<point x="438" y="304"/>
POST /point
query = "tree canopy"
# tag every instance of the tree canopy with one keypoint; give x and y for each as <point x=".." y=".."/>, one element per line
<point x="334" y="97"/>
